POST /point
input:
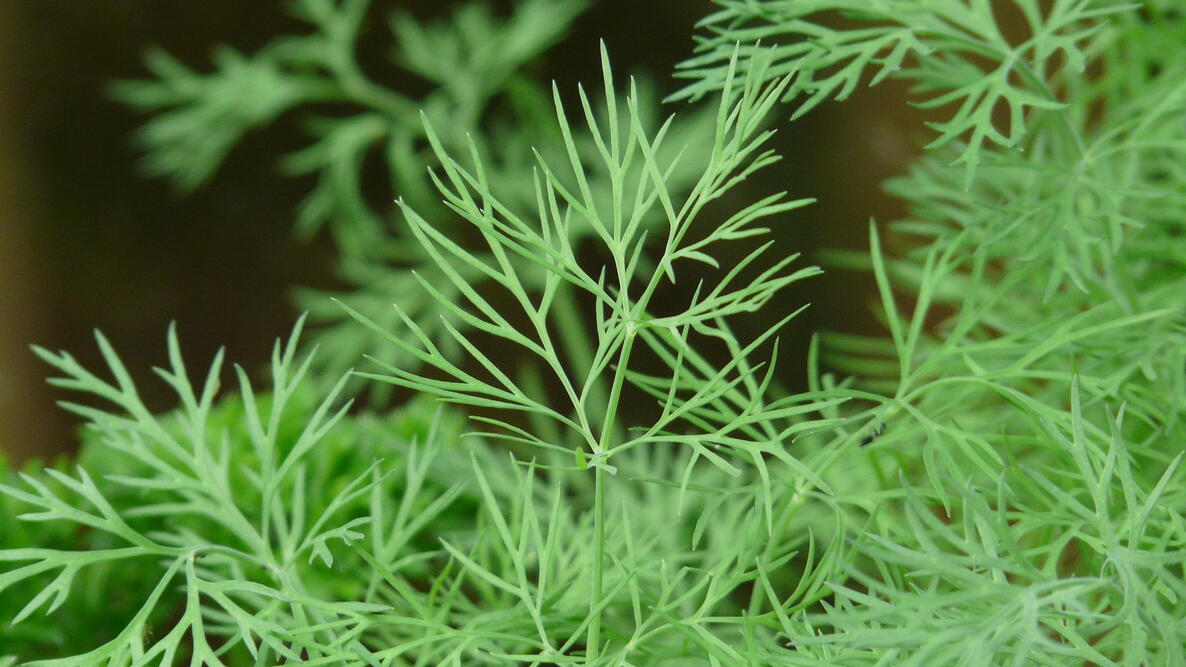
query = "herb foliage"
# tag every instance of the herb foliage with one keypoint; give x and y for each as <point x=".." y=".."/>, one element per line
<point x="997" y="480"/>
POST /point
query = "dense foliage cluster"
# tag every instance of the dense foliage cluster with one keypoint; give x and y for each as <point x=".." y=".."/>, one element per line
<point x="595" y="467"/>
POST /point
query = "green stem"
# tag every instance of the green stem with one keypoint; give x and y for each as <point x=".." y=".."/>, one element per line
<point x="592" y="648"/>
<point x="593" y="645"/>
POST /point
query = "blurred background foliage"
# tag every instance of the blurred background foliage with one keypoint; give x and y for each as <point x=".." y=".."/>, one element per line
<point x="87" y="240"/>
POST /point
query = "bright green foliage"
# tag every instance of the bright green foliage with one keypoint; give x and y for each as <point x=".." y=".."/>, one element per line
<point x="1060" y="184"/>
<point x="232" y="513"/>
<point x="474" y="63"/>
<point x="103" y="595"/>
<point x="713" y="411"/>
<point x="726" y="404"/>
<point x="941" y="45"/>
<point x="269" y="526"/>
<point x="996" y="481"/>
<point x="1034" y="524"/>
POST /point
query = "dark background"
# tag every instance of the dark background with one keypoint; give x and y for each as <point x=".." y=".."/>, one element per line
<point x="86" y="241"/>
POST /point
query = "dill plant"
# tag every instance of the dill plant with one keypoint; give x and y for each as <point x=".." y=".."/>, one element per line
<point x="995" y="481"/>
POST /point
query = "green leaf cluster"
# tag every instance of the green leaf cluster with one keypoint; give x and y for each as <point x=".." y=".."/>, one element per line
<point x="476" y="68"/>
<point x="995" y="480"/>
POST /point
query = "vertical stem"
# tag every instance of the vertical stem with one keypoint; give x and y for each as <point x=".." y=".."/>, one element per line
<point x="593" y="650"/>
<point x="593" y="644"/>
